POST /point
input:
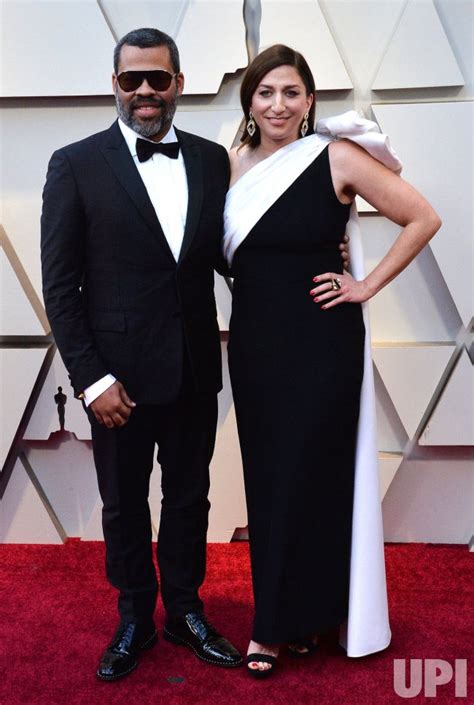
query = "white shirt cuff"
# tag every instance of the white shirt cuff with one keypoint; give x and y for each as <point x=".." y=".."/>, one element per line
<point x="95" y="390"/>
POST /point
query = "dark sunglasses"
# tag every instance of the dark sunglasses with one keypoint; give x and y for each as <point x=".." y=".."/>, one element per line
<point x="159" y="80"/>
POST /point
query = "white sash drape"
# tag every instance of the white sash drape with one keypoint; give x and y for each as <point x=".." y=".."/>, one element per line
<point x="258" y="189"/>
<point x="367" y="629"/>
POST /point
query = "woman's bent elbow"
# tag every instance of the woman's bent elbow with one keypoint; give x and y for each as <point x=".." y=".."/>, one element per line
<point x="432" y="223"/>
<point x="435" y="223"/>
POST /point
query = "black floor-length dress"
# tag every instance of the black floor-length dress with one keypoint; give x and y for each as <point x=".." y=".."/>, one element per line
<point x="296" y="374"/>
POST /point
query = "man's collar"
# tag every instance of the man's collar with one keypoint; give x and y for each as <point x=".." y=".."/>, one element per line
<point x="130" y="136"/>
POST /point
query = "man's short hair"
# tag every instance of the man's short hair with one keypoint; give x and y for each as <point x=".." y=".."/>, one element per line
<point x="144" y="38"/>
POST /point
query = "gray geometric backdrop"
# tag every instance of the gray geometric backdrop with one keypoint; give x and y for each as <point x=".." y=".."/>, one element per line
<point x="405" y="63"/>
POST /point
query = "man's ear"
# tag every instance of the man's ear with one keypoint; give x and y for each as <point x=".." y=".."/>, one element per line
<point x="180" y="82"/>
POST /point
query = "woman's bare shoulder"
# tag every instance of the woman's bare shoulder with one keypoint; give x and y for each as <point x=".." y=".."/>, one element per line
<point x="239" y="162"/>
<point x="347" y="158"/>
<point x="239" y="154"/>
<point x="342" y="150"/>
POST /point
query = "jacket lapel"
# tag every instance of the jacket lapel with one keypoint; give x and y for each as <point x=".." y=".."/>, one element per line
<point x="118" y="156"/>
<point x="193" y="164"/>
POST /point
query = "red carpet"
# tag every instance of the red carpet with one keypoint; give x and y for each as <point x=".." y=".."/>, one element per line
<point x="57" y="613"/>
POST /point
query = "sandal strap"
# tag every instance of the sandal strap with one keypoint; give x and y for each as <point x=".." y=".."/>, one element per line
<point x="263" y="658"/>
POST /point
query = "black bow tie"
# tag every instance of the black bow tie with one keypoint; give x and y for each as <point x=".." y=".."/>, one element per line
<point x="146" y="149"/>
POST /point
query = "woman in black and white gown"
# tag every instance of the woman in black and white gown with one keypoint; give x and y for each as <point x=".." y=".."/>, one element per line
<point x="297" y="351"/>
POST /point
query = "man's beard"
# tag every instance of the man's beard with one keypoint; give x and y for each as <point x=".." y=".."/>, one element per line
<point x="147" y="127"/>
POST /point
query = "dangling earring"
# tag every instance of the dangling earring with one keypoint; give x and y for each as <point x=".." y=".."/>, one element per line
<point x="304" y="125"/>
<point x="251" y="126"/>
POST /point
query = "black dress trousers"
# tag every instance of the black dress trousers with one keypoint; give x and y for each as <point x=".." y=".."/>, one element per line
<point x="184" y="432"/>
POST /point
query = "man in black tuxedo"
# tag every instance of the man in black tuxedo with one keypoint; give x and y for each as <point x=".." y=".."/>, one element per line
<point x="131" y="233"/>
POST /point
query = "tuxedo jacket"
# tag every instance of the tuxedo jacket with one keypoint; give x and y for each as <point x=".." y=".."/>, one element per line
<point x="115" y="297"/>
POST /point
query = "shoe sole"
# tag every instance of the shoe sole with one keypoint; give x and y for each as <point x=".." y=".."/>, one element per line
<point x="116" y="678"/>
<point x="179" y="641"/>
<point x="148" y="644"/>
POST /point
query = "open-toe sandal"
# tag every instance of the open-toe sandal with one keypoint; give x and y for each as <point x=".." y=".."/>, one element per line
<point x="307" y="644"/>
<point x="261" y="658"/>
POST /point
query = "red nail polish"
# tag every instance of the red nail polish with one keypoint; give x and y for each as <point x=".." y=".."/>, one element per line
<point x="315" y="279"/>
<point x="316" y="299"/>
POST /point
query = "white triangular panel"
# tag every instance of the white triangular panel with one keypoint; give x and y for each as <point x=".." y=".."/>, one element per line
<point x="363" y="24"/>
<point x="17" y="316"/>
<point x="388" y="466"/>
<point x="224" y="303"/>
<point x="214" y="32"/>
<point x="434" y="153"/>
<point x="19" y="368"/>
<point x="20" y="194"/>
<point x="419" y="54"/>
<point x="67" y="477"/>
<point x="216" y="125"/>
<point x="301" y="24"/>
<point x="470" y="351"/>
<point x="363" y="206"/>
<point x="210" y="35"/>
<point x="452" y="421"/>
<point x="410" y="375"/>
<point x="417" y="304"/>
<point x="227" y="497"/>
<point x="66" y="49"/>
<point x="391" y="435"/>
<point x="93" y="530"/>
<point x="430" y="501"/>
<point x="45" y="419"/>
<point x="23" y="516"/>
<point x="125" y="15"/>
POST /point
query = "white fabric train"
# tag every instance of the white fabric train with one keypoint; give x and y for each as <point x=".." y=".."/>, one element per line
<point x="367" y="629"/>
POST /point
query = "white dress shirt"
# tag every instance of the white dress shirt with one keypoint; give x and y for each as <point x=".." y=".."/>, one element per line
<point x="167" y="187"/>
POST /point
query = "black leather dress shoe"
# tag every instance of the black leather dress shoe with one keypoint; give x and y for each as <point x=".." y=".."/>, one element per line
<point x="121" y="655"/>
<point x="193" y="630"/>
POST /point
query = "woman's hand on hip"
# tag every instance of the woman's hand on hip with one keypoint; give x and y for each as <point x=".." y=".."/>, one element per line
<point x="332" y="289"/>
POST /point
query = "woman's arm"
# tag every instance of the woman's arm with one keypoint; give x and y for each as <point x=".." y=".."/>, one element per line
<point x="355" y="172"/>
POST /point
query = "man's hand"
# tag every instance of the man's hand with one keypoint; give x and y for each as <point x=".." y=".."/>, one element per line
<point x="113" y="407"/>
<point x="344" y="248"/>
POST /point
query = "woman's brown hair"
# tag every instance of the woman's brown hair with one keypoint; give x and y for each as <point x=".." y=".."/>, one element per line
<point x="269" y="59"/>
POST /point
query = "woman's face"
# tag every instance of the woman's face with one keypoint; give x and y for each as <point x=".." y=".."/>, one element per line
<point x="279" y="104"/>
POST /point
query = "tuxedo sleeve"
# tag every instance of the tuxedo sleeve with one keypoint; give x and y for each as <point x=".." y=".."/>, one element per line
<point x="63" y="257"/>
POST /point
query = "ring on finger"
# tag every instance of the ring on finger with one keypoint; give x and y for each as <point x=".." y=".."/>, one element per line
<point x="336" y="284"/>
